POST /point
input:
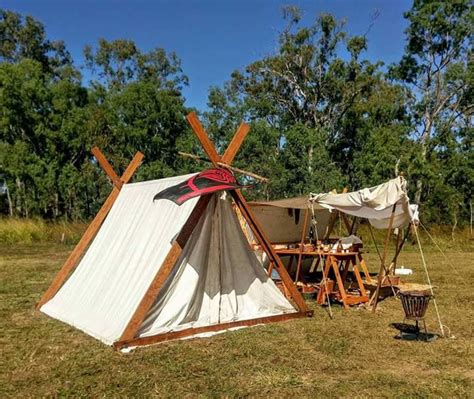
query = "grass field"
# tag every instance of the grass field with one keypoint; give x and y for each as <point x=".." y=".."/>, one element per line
<point x="353" y="355"/>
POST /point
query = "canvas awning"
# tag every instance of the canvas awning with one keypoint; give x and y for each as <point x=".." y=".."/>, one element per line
<point x="373" y="203"/>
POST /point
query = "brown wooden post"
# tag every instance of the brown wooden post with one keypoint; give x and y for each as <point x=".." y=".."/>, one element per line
<point x="203" y="138"/>
<point x="172" y="335"/>
<point x="384" y="256"/>
<point x="393" y="264"/>
<point x="346" y="223"/>
<point x="339" y="281"/>
<point x="353" y="226"/>
<point x="235" y="143"/>
<point x="300" y="255"/>
<point x="324" y="291"/>
<point x="92" y="229"/>
<point x="363" y="265"/>
<point x="107" y="167"/>
<point x="333" y="217"/>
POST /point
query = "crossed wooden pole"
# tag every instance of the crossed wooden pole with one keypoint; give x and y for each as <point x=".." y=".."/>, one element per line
<point x="129" y="336"/>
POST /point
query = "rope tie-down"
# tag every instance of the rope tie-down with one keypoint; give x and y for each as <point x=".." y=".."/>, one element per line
<point x="423" y="260"/>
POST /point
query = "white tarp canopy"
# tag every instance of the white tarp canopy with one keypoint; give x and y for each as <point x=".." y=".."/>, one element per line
<point x="217" y="279"/>
<point x="373" y="203"/>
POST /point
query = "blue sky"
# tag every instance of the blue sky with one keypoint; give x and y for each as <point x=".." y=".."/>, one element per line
<point x="212" y="38"/>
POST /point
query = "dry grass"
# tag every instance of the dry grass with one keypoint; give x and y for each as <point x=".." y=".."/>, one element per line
<point x="353" y="355"/>
<point x="28" y="231"/>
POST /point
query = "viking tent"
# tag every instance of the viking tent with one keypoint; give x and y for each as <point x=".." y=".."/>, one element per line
<point x="216" y="280"/>
<point x="154" y="271"/>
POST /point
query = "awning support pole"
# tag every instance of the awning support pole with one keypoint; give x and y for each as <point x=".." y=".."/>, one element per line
<point x="384" y="256"/>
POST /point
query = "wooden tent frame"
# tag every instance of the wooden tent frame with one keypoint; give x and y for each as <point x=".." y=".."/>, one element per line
<point x="129" y="335"/>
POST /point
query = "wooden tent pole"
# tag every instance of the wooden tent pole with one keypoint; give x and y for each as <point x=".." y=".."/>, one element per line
<point x="300" y="254"/>
<point x="235" y="144"/>
<point x="398" y="249"/>
<point x="232" y="168"/>
<point x="93" y="228"/>
<point x="384" y="256"/>
<point x="203" y="138"/>
<point x="393" y="264"/>
<point x="333" y="217"/>
<point x="346" y="222"/>
<point x="107" y="167"/>
<point x="353" y="225"/>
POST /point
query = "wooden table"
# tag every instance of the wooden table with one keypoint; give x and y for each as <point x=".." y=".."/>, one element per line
<point x="331" y="261"/>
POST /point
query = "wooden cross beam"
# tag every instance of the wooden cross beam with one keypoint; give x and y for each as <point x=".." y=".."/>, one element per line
<point x="129" y="336"/>
<point x="73" y="259"/>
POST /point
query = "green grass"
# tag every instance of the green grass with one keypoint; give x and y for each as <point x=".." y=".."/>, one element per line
<point x="353" y="355"/>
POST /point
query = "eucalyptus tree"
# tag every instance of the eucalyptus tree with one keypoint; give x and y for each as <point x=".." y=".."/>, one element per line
<point x="303" y="94"/>
<point x="437" y="70"/>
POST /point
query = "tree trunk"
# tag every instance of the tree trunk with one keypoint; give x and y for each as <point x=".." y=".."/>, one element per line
<point x="56" y="206"/>
<point x="424" y="150"/>
<point x="19" y="201"/>
<point x="9" y="199"/>
<point x="455" y="225"/>
<point x="310" y="159"/>
<point x="397" y="166"/>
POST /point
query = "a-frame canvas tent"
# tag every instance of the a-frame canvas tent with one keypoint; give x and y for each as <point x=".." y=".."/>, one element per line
<point x="155" y="271"/>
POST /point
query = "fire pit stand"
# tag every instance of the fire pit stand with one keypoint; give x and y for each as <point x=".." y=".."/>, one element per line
<point x="415" y="304"/>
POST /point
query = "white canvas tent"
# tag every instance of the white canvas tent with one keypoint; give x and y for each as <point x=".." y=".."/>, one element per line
<point x="216" y="280"/>
<point x="147" y="272"/>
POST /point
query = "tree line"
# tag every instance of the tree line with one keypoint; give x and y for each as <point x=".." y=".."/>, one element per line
<point x="322" y="116"/>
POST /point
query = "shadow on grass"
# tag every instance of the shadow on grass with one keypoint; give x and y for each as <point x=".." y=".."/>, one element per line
<point x="410" y="332"/>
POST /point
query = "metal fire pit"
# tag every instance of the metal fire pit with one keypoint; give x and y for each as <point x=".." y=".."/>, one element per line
<point x="415" y="304"/>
